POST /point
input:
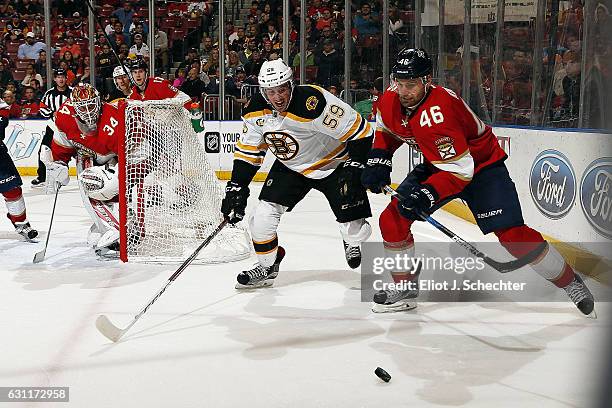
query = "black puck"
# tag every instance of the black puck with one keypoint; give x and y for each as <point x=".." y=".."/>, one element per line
<point x="382" y="374"/>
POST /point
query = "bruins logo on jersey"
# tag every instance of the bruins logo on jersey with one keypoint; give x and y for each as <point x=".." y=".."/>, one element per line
<point x="311" y="103"/>
<point x="282" y="145"/>
<point x="259" y="122"/>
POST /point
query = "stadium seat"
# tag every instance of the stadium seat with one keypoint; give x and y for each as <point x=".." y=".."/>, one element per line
<point x="19" y="74"/>
<point x="23" y="63"/>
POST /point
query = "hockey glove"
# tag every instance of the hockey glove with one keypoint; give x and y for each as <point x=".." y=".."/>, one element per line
<point x="349" y="181"/>
<point x="234" y="204"/>
<point x="57" y="173"/>
<point x="419" y="198"/>
<point x="377" y="171"/>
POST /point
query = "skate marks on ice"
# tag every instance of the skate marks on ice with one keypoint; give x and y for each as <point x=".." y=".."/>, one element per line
<point x="305" y="309"/>
<point x="458" y="348"/>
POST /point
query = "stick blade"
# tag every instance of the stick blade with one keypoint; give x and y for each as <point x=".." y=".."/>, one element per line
<point x="39" y="257"/>
<point x="108" y="330"/>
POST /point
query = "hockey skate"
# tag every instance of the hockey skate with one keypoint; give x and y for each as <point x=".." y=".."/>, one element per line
<point x="25" y="230"/>
<point x="38" y="183"/>
<point x="352" y="254"/>
<point x="107" y="247"/>
<point x="581" y="296"/>
<point x="398" y="300"/>
<point x="260" y="276"/>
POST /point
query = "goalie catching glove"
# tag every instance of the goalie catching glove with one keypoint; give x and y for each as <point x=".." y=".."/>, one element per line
<point x="233" y="206"/>
<point x="377" y="171"/>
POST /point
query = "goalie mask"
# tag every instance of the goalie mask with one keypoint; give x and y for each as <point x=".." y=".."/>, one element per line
<point x="276" y="84"/>
<point x="87" y="104"/>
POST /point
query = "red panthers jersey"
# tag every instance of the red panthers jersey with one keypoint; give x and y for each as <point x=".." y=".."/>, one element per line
<point x="101" y="142"/>
<point x="156" y="89"/>
<point x="448" y="133"/>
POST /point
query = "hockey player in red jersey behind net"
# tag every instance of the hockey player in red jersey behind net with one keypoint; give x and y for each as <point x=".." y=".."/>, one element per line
<point x="10" y="183"/>
<point x="91" y="132"/>
<point x="462" y="158"/>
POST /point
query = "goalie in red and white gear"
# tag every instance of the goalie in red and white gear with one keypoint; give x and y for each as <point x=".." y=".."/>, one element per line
<point x="89" y="131"/>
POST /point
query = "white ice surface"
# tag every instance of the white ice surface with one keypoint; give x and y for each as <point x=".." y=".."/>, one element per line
<point x="306" y="342"/>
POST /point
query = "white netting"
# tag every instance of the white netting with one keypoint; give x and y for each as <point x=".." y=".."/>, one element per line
<point x="173" y="197"/>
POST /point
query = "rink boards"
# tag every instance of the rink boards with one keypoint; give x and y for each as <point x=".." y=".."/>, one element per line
<point x="563" y="177"/>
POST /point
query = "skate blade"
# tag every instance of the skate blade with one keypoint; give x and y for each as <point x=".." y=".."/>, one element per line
<point x="401" y="306"/>
<point x="593" y="315"/>
<point x="263" y="284"/>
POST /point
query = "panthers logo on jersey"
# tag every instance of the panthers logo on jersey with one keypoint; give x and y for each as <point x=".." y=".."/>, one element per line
<point x="282" y="145"/>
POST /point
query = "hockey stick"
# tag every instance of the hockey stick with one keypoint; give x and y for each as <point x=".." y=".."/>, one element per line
<point x="40" y="255"/>
<point x="114" y="333"/>
<point x="502" y="267"/>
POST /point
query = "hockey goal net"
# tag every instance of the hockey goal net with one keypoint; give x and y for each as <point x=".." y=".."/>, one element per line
<point x="170" y="198"/>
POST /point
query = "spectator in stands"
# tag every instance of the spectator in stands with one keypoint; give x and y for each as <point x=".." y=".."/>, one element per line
<point x="31" y="48"/>
<point x="267" y="49"/>
<point x="30" y="75"/>
<point x="212" y="64"/>
<point x="253" y="65"/>
<point x="78" y="28"/>
<point x="312" y="34"/>
<point x="6" y="76"/>
<point x="206" y="47"/>
<point x="140" y="49"/>
<point x="325" y="20"/>
<point x="3" y="54"/>
<point x="571" y="84"/>
<point x="30" y="107"/>
<point x="38" y="90"/>
<point x="14" y="107"/>
<point x="237" y="40"/>
<point x="316" y="10"/>
<point x="161" y="49"/>
<point x="69" y="7"/>
<point x="192" y="56"/>
<point x="333" y="89"/>
<point x="70" y="46"/>
<point x="234" y="84"/>
<point x="180" y="78"/>
<point x="245" y="55"/>
<point x="18" y="23"/>
<point x="193" y="85"/>
<point x="117" y="38"/>
<point x="327" y="35"/>
<point x="5" y="11"/>
<point x="124" y="14"/>
<point x="84" y="77"/>
<point x="72" y="62"/>
<point x="366" y="22"/>
<point x="110" y="27"/>
<point x="271" y="33"/>
<point x="138" y="26"/>
<point x="124" y="52"/>
<point x="12" y="86"/>
<point x="233" y="63"/>
<point x="13" y="35"/>
<point x="58" y="32"/>
<point x="254" y="10"/>
<point x="138" y="29"/>
<point x="38" y="27"/>
<point x="106" y="61"/>
<point x="330" y="64"/>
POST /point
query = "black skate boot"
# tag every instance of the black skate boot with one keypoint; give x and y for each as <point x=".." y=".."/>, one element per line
<point x="259" y="276"/>
<point x="398" y="300"/>
<point x="25" y="230"/>
<point x="581" y="296"/>
<point x="352" y="254"/>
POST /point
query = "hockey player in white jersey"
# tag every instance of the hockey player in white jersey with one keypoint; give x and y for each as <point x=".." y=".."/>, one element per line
<point x="319" y="142"/>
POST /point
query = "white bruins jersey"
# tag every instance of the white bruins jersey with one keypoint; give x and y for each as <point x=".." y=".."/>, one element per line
<point x="310" y="137"/>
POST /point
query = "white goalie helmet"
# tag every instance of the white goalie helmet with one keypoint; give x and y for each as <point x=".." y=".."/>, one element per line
<point x="273" y="74"/>
<point x="87" y="104"/>
<point x="100" y="183"/>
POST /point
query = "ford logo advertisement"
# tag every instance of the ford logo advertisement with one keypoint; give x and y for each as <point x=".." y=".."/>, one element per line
<point x="552" y="184"/>
<point x="595" y="195"/>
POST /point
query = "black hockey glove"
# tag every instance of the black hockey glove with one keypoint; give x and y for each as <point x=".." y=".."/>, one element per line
<point x="377" y="171"/>
<point x="349" y="181"/>
<point x="416" y="198"/>
<point x="234" y="203"/>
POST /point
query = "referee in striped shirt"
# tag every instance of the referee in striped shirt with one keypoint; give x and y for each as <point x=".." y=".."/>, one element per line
<point x="50" y="103"/>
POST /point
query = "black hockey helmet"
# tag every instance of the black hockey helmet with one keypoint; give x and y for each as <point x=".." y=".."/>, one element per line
<point x="412" y="63"/>
<point x="59" y="72"/>
<point x="138" y="63"/>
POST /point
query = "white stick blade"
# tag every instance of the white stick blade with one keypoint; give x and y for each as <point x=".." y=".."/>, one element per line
<point x="39" y="257"/>
<point x="109" y="330"/>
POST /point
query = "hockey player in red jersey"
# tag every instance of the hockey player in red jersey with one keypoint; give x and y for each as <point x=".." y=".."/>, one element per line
<point x="10" y="183"/>
<point x="91" y="132"/>
<point x="462" y="158"/>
